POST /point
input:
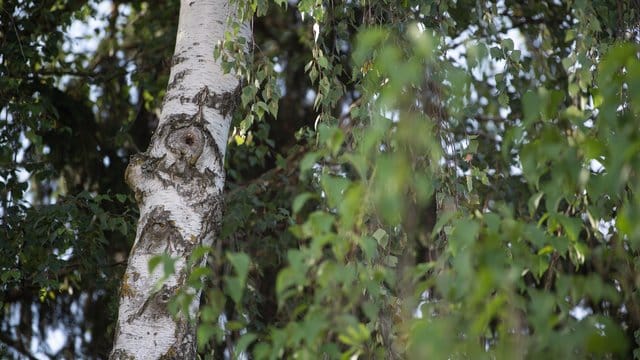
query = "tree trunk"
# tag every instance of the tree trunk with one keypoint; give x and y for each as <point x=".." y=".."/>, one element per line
<point x="178" y="185"/>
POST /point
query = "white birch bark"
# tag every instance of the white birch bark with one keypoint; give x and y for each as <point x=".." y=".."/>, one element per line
<point x="178" y="184"/>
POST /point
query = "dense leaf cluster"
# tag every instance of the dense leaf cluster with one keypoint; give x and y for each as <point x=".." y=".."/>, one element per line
<point x="405" y="179"/>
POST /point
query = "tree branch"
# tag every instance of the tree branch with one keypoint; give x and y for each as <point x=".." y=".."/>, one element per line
<point x="16" y="345"/>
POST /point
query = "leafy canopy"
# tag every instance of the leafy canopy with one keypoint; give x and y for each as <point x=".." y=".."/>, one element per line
<point x="406" y="179"/>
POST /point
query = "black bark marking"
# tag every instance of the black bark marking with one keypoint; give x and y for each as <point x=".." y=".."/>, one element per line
<point x="120" y="354"/>
<point x="213" y="219"/>
<point x="159" y="300"/>
<point x="155" y="306"/>
<point x="160" y="234"/>
<point x="176" y="59"/>
<point x="150" y="164"/>
<point x="225" y="102"/>
<point x="218" y="154"/>
<point x="202" y="97"/>
<point x="229" y="101"/>
<point x="177" y="79"/>
<point x="169" y="97"/>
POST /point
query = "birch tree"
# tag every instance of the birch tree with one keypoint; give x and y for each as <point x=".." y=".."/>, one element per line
<point x="178" y="186"/>
<point x="448" y="178"/>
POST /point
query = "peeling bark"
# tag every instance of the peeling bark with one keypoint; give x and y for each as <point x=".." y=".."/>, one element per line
<point x="178" y="186"/>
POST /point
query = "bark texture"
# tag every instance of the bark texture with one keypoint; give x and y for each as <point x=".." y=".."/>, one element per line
<point x="178" y="185"/>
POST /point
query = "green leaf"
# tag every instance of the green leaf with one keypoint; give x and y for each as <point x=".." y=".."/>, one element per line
<point x="464" y="234"/>
<point x="168" y="266"/>
<point x="198" y="253"/>
<point x="243" y="343"/>
<point x="507" y="44"/>
<point x="359" y="162"/>
<point x="331" y="136"/>
<point x="334" y="188"/>
<point x="240" y="262"/>
<point x="198" y="274"/>
<point x="366" y="43"/>
<point x="381" y="237"/>
<point x="318" y="223"/>
<point x="300" y="200"/>
<point x="9" y="275"/>
<point x="308" y="161"/>
<point x="323" y="62"/>
<point x="515" y="55"/>
<point x="606" y="337"/>
<point x="571" y="226"/>
<point x="285" y="279"/>
<point x="234" y="288"/>
<point x="235" y="284"/>
<point x="248" y="94"/>
<point x="531" y="104"/>
<point x="352" y="205"/>
<point x="165" y="260"/>
<point x="273" y="108"/>
<point x="205" y="333"/>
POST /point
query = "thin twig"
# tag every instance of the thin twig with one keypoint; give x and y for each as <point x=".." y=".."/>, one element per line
<point x="17" y="34"/>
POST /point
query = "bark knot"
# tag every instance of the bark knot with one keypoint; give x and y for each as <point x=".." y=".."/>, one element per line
<point x="187" y="143"/>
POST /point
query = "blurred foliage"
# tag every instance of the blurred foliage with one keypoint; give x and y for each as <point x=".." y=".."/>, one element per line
<point x="405" y="179"/>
